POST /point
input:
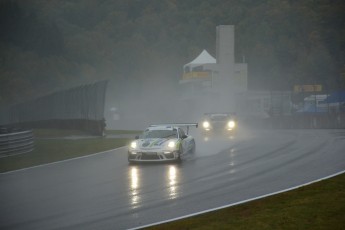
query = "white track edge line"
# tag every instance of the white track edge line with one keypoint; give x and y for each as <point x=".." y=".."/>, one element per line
<point x="62" y="161"/>
<point x="239" y="202"/>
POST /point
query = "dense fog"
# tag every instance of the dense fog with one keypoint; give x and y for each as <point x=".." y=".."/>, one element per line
<point x="141" y="47"/>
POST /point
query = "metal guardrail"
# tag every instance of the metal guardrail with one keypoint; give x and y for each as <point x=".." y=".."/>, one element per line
<point x="15" y="143"/>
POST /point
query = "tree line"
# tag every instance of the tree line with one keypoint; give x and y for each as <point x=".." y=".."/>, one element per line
<point x="50" y="45"/>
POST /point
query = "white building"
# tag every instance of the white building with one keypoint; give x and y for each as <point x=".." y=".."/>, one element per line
<point x="216" y="81"/>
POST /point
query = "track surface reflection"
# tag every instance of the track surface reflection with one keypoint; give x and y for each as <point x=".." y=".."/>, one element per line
<point x="105" y="192"/>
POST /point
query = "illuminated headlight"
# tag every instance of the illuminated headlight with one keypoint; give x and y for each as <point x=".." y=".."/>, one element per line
<point x="172" y="144"/>
<point x="206" y="124"/>
<point x="231" y="124"/>
<point x="134" y="145"/>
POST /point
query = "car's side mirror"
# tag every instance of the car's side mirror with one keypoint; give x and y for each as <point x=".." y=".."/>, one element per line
<point x="136" y="137"/>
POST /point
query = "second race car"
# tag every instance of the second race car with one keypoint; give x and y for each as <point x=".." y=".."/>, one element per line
<point x="219" y="123"/>
<point x="164" y="142"/>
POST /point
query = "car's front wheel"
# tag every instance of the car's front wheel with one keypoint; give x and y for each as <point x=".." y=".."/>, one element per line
<point x="192" y="151"/>
<point x="179" y="153"/>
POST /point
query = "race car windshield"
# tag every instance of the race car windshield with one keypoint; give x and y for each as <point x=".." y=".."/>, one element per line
<point x="159" y="134"/>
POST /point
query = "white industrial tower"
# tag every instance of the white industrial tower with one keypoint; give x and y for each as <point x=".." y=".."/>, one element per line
<point x="216" y="81"/>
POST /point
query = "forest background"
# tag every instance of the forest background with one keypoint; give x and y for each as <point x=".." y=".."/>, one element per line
<point x="47" y="46"/>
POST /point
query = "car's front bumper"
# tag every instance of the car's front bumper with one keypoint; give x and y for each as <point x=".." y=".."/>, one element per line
<point x="143" y="156"/>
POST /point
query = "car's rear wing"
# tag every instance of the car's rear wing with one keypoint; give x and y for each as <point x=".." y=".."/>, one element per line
<point x="177" y="124"/>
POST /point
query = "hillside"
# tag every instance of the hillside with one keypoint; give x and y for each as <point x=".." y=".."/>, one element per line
<point x="50" y="45"/>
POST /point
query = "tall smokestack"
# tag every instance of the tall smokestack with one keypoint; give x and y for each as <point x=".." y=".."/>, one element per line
<point x="225" y="45"/>
<point x="225" y="52"/>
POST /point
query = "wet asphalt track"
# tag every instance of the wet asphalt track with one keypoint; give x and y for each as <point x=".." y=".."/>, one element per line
<point x="105" y="192"/>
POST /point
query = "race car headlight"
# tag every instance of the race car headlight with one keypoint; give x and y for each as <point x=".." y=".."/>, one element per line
<point x="231" y="124"/>
<point x="134" y="145"/>
<point x="206" y="124"/>
<point x="172" y="144"/>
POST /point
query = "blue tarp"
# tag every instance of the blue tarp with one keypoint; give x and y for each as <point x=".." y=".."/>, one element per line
<point x="310" y="108"/>
<point x="335" y="97"/>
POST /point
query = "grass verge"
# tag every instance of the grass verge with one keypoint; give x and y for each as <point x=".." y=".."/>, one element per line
<point x="317" y="206"/>
<point x="55" y="148"/>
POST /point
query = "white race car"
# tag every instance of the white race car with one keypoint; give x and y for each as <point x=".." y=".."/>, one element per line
<point x="164" y="142"/>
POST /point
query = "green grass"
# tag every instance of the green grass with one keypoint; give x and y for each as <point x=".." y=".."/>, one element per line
<point x="317" y="206"/>
<point x="115" y="132"/>
<point x="57" y="148"/>
<point x="57" y="133"/>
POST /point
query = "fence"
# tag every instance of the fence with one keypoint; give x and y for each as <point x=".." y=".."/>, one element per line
<point x="299" y="121"/>
<point x="79" y="108"/>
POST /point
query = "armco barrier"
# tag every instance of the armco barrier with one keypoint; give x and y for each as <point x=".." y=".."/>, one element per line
<point x="14" y="143"/>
